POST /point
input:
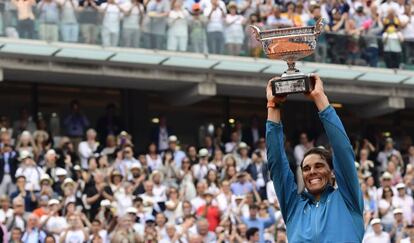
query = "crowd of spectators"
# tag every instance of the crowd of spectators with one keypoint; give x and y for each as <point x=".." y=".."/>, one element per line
<point x="357" y="32"/>
<point x="63" y="181"/>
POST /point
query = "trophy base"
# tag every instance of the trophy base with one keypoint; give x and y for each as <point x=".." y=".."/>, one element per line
<point x="292" y="83"/>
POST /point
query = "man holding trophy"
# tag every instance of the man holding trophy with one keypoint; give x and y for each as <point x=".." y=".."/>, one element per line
<point x="331" y="207"/>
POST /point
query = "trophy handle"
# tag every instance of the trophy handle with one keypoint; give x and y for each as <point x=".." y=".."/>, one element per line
<point x="256" y="31"/>
<point x="318" y="26"/>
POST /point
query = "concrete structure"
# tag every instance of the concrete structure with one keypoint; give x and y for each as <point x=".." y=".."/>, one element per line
<point x="194" y="77"/>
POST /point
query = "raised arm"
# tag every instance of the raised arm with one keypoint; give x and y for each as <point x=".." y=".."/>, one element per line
<point x="282" y="176"/>
<point x="343" y="154"/>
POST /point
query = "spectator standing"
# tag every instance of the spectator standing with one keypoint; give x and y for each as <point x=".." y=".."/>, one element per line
<point x="198" y="38"/>
<point x="292" y="15"/>
<point x="69" y="26"/>
<point x="134" y="16"/>
<point x="112" y="14"/>
<point x="25" y="17"/>
<point x="160" y="134"/>
<point x="254" y="46"/>
<point x="8" y="167"/>
<point x="87" y="148"/>
<point x="88" y="19"/>
<point x="158" y="13"/>
<point x="178" y="154"/>
<point x="76" y="123"/>
<point x="392" y="39"/>
<point x="178" y="28"/>
<point x="277" y="20"/>
<point x="303" y="146"/>
<point x="234" y="35"/>
<point x="371" y="28"/>
<point x="387" y="152"/>
<point x="407" y="25"/>
<point x="215" y="14"/>
<point x="49" y="20"/>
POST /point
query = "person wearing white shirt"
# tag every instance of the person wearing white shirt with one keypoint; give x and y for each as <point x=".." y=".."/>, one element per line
<point x="154" y="160"/>
<point x="178" y="28"/>
<point x="234" y="35"/>
<point x="378" y="235"/>
<point x="68" y="23"/>
<point x="76" y="232"/>
<point x="232" y="145"/>
<point x="215" y="14"/>
<point x="178" y="154"/>
<point x="159" y="190"/>
<point x="87" y="148"/>
<point x="303" y="146"/>
<point x="407" y="24"/>
<point x="403" y="201"/>
<point x="133" y="19"/>
<point x="30" y="171"/>
<point x="52" y="222"/>
<point x="384" y="8"/>
<point x="111" y="22"/>
<point x="172" y="236"/>
<point x="199" y="201"/>
<point x="201" y="169"/>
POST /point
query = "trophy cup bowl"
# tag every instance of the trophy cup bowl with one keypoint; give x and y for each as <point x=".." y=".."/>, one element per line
<point x="290" y="45"/>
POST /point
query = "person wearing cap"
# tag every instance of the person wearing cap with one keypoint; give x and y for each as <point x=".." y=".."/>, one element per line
<point x="198" y="38"/>
<point x="234" y="34"/>
<point x="201" y="169"/>
<point x="127" y="161"/>
<point x="52" y="222"/>
<point x="60" y="178"/>
<point x="178" y="154"/>
<point x="377" y="235"/>
<point x="8" y="167"/>
<point x="244" y="159"/>
<point x="209" y="211"/>
<point x="385" y="154"/>
<point x="124" y="231"/>
<point x="30" y="170"/>
<point x="403" y="201"/>
<point x="399" y="224"/>
<point x="386" y="181"/>
<point x="321" y="207"/>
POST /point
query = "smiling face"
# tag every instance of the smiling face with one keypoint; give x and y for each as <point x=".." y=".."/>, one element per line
<point x="316" y="174"/>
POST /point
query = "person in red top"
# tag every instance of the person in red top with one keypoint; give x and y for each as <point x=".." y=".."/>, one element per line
<point x="209" y="211"/>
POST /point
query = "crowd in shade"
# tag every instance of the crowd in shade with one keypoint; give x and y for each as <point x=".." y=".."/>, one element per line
<point x="357" y="32"/>
<point x="71" y="181"/>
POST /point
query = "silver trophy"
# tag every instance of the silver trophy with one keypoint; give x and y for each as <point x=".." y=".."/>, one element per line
<point x="290" y="44"/>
